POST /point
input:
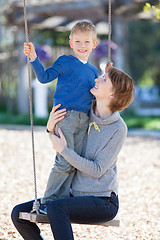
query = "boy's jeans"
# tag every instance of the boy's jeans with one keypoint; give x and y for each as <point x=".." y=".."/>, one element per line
<point x="74" y="127"/>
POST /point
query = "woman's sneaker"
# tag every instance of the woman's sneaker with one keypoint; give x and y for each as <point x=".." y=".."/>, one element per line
<point x="43" y="209"/>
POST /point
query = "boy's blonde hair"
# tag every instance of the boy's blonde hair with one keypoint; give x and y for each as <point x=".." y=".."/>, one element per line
<point x="84" y="26"/>
<point x="123" y="86"/>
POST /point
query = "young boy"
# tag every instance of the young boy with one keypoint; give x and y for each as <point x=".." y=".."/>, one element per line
<point x="76" y="76"/>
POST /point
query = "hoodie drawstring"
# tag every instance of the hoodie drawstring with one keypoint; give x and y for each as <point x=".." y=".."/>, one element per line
<point x="95" y="127"/>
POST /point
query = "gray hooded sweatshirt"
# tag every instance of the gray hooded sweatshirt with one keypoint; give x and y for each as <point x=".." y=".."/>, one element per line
<point x="96" y="169"/>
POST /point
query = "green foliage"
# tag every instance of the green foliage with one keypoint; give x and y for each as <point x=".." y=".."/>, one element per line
<point x="155" y="9"/>
<point x="6" y="118"/>
<point x="130" y="118"/>
<point x="147" y="79"/>
<point x="51" y="37"/>
<point x="9" y="87"/>
<point x="144" y="46"/>
<point x="134" y="121"/>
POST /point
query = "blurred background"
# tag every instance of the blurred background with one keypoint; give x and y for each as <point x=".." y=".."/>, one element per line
<point x="135" y="49"/>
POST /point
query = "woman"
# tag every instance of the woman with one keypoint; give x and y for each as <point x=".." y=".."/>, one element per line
<point x="94" y="190"/>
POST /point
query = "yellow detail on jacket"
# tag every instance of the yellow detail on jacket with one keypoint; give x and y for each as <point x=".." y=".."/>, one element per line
<point x="95" y="126"/>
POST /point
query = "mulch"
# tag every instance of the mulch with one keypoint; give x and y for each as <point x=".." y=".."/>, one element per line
<point x="139" y="186"/>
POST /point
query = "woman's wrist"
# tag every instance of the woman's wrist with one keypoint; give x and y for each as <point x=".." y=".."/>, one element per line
<point x="64" y="149"/>
<point x="49" y="131"/>
<point x="58" y="143"/>
<point x="60" y="149"/>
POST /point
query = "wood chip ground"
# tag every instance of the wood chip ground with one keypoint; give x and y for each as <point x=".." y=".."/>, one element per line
<point x="139" y="186"/>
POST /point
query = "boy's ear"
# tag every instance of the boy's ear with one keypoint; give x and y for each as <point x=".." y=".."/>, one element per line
<point x="95" y="44"/>
<point x="70" y="43"/>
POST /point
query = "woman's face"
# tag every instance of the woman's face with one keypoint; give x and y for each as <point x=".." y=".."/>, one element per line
<point x="103" y="88"/>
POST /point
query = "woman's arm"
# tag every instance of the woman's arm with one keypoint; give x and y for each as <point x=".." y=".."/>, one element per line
<point x="93" y="167"/>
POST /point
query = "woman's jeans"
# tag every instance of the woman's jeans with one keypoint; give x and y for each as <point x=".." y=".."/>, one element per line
<point x="63" y="212"/>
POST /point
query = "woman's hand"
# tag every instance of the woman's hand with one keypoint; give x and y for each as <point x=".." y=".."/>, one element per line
<point x="55" y="117"/>
<point x="59" y="143"/>
<point x="108" y="65"/>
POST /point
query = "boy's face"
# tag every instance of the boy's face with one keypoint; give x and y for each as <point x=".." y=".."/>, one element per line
<point x="82" y="44"/>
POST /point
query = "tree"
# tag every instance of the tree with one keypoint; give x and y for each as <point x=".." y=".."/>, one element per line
<point x="144" y="48"/>
<point x="155" y="9"/>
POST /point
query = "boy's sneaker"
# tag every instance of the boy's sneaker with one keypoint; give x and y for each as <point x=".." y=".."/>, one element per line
<point x="43" y="209"/>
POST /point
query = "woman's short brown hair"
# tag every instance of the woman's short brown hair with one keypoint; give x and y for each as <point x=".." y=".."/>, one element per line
<point x="124" y="89"/>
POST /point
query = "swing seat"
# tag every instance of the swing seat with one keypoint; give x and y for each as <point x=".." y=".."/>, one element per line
<point x="41" y="218"/>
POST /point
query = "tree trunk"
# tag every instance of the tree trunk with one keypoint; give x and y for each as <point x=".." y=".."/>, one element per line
<point x="23" y="99"/>
<point x="119" y="35"/>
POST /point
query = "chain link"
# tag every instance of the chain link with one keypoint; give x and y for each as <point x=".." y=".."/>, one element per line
<point x="36" y="203"/>
<point x="109" y="31"/>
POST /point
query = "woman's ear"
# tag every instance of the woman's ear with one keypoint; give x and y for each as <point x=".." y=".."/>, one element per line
<point x="70" y="43"/>
<point x="112" y="95"/>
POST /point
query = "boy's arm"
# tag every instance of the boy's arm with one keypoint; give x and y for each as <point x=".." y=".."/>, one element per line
<point x="43" y="76"/>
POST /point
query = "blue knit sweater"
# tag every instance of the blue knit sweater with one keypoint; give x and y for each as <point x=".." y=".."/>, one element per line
<point x="75" y="79"/>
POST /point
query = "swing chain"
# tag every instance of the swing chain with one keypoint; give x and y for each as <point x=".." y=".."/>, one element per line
<point x="36" y="203"/>
<point x="109" y="31"/>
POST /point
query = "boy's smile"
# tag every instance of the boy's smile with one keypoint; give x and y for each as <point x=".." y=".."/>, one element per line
<point x="82" y="44"/>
